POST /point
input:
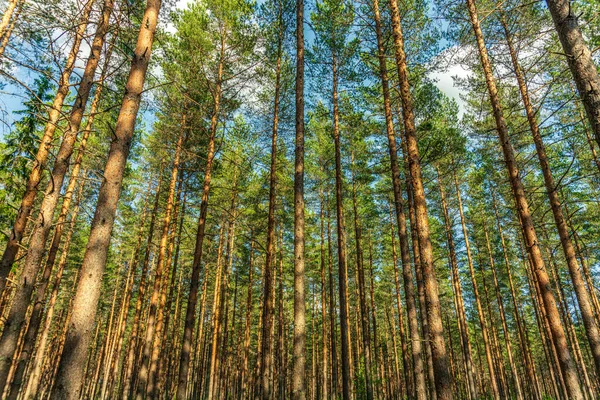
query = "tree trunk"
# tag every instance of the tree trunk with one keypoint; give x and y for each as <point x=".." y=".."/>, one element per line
<point x="248" y="326"/>
<point x="342" y="268"/>
<point x="131" y="357"/>
<point x="190" y="315"/>
<point x="6" y="32"/>
<point x="35" y="176"/>
<point x="7" y="16"/>
<point x="364" y="316"/>
<point x="299" y="363"/>
<point x="418" y="373"/>
<point x="581" y="63"/>
<point x="566" y="363"/>
<point x="506" y="331"/>
<point x="583" y="297"/>
<point x="482" y="321"/>
<point x="85" y="302"/>
<point x="146" y="378"/>
<point x="268" y="295"/>
<point x="443" y="380"/>
<point x="463" y="328"/>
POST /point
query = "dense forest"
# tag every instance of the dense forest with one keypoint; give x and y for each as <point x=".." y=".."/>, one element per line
<point x="309" y="199"/>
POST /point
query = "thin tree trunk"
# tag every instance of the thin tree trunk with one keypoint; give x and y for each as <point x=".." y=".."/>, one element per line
<point x="85" y="302"/>
<point x="342" y="268"/>
<point x="146" y="378"/>
<point x="566" y="363"/>
<point x="184" y="362"/>
<point x="299" y="360"/>
<point x="364" y="317"/>
<point x="506" y="331"/>
<point x="35" y="176"/>
<point x="246" y="351"/>
<point x="443" y="379"/>
<point x="36" y="316"/>
<point x="529" y="364"/>
<point x="131" y="356"/>
<point x="482" y="321"/>
<point x="463" y="328"/>
<point x="325" y="360"/>
<point x="7" y="16"/>
<point x="405" y="355"/>
<point x="268" y="295"/>
<point x="216" y="317"/>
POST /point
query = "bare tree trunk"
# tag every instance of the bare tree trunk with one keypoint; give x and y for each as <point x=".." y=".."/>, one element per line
<point x="482" y="321"/>
<point x="558" y="333"/>
<point x="506" y="331"/>
<point x="6" y="32"/>
<point x="299" y="360"/>
<point x="18" y="229"/>
<point x="443" y="380"/>
<point x="246" y="349"/>
<point x="408" y="384"/>
<point x="146" y="378"/>
<point x="131" y="356"/>
<point x="332" y="310"/>
<point x="325" y="371"/>
<point x="342" y="268"/>
<point x="85" y="302"/>
<point x="459" y="300"/>
<point x="581" y="63"/>
<point x="268" y="295"/>
<point x="184" y="362"/>
<point x="364" y="317"/>
<point x="36" y="315"/>
<point x="529" y="364"/>
<point x="7" y="16"/>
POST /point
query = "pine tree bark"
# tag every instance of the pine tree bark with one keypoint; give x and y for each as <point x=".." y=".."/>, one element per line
<point x="566" y="363"/>
<point x="299" y="360"/>
<point x="41" y="158"/>
<point x="443" y="380"/>
<point x="85" y="302"/>
<point x="408" y="381"/>
<point x="579" y="58"/>
<point x="36" y="249"/>
<point x="529" y="364"/>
